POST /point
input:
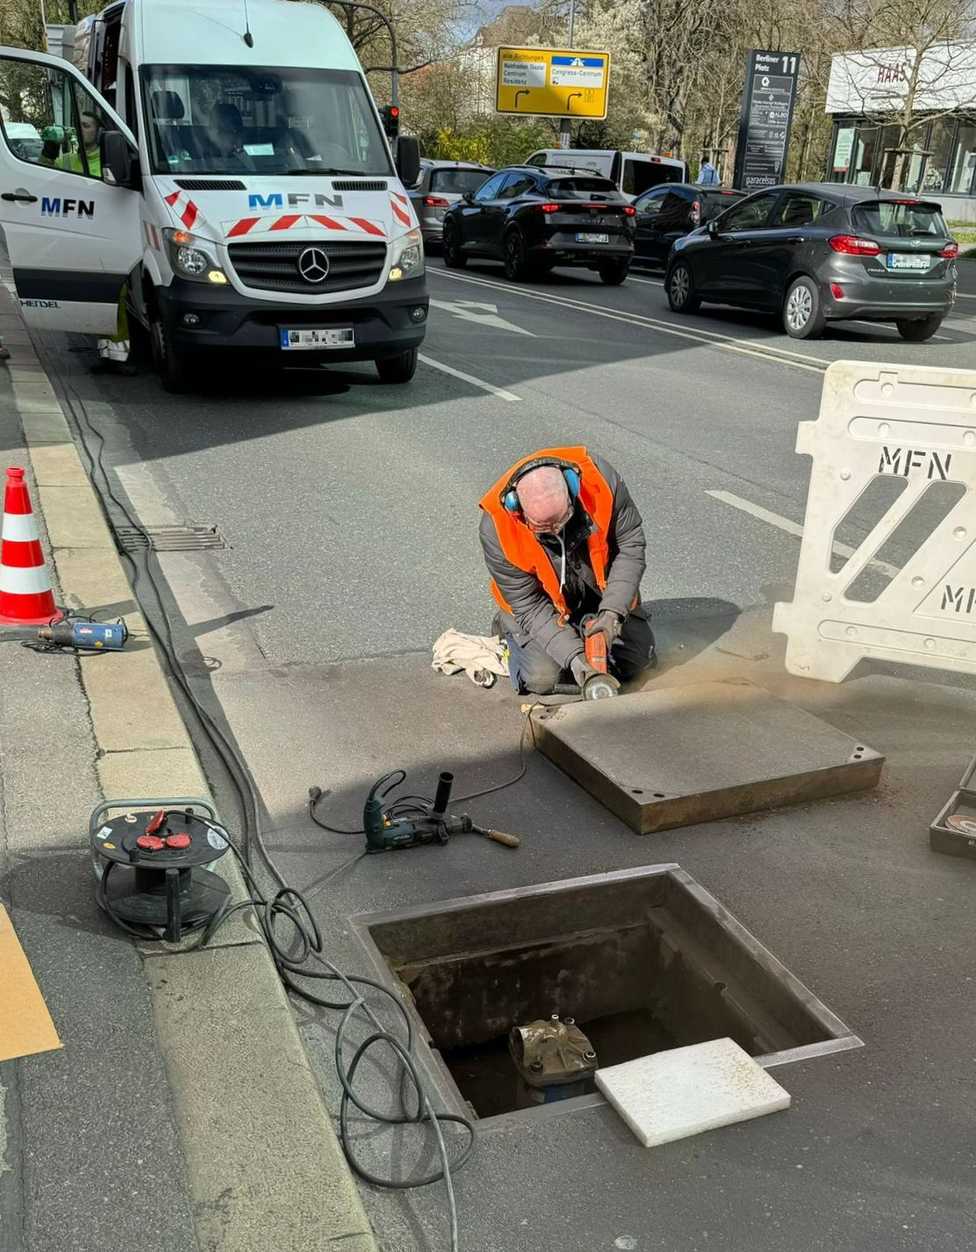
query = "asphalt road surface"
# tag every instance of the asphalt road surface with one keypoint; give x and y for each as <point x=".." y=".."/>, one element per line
<point x="348" y="511"/>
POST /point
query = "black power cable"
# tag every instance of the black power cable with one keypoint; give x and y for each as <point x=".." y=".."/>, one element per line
<point x="287" y="902"/>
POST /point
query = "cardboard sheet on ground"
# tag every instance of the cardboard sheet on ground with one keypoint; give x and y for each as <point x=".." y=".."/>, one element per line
<point x="25" y="1024"/>
<point x="671" y="1095"/>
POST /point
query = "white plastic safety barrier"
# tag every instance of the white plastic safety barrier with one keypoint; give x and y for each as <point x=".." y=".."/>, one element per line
<point x="887" y="568"/>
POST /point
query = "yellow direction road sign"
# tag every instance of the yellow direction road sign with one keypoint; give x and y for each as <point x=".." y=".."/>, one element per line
<point x="552" y="82"/>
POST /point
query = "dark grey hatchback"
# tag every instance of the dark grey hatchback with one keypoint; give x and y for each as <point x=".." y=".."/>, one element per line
<point x="820" y="252"/>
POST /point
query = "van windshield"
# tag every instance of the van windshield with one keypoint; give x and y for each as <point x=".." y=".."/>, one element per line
<point x="223" y="119"/>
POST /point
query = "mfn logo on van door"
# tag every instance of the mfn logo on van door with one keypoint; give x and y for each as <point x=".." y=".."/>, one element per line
<point x="294" y="200"/>
<point x="55" y="206"/>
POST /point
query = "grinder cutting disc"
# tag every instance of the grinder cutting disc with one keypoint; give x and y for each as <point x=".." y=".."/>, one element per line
<point x="600" y="687"/>
<point x="964" y="825"/>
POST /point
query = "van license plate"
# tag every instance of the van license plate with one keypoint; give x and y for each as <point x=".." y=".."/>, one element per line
<point x="589" y="237"/>
<point x="907" y="261"/>
<point x="318" y="338"/>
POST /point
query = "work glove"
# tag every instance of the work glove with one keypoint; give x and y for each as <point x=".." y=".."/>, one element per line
<point x="606" y="622"/>
<point x="581" y="669"/>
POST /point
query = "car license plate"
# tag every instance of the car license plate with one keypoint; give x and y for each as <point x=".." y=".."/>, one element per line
<point x="908" y="261"/>
<point x="589" y="237"/>
<point x="317" y="338"/>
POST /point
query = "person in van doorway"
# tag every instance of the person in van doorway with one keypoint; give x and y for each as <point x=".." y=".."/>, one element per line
<point x="227" y="135"/>
<point x="563" y="541"/>
<point x="708" y="174"/>
<point x="58" y="151"/>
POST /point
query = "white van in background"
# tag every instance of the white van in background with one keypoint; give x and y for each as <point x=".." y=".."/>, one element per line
<point x="633" y="172"/>
<point x="227" y="163"/>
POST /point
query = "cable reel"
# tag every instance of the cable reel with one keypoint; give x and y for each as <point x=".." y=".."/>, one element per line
<point x="149" y="865"/>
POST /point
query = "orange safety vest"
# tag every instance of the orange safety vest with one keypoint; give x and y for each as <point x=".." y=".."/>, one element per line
<point x="521" y="547"/>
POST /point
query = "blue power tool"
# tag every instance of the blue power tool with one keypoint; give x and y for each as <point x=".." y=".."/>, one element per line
<point x="92" y="636"/>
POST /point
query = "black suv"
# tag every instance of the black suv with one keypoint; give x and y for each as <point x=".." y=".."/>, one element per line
<point x="535" y="219"/>
<point x="673" y="210"/>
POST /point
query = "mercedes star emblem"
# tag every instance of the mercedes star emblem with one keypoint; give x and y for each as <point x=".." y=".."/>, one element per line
<point x="313" y="265"/>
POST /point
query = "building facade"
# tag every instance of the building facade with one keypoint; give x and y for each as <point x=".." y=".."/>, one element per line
<point x="900" y="120"/>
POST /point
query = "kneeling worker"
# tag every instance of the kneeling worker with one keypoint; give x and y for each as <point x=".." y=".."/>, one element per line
<point x="563" y="540"/>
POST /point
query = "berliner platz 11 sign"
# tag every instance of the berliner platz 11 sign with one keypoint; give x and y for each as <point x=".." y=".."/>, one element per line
<point x="552" y="82"/>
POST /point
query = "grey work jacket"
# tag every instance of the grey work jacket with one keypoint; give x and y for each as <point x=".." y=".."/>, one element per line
<point x="534" y="613"/>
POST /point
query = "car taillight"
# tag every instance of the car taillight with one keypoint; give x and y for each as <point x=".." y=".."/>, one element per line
<point x="950" y="250"/>
<point x="437" y="202"/>
<point x="629" y="211"/>
<point x="696" y="212"/>
<point x="852" y="245"/>
<point x="549" y="208"/>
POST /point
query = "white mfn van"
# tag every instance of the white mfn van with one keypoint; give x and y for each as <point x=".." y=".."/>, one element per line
<point x="633" y="172"/>
<point x="231" y="170"/>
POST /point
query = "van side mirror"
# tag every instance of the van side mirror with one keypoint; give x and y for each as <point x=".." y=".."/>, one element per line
<point x="408" y="159"/>
<point x="120" y="164"/>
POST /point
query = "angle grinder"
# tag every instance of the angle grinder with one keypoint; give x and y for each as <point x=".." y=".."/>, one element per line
<point x="601" y="684"/>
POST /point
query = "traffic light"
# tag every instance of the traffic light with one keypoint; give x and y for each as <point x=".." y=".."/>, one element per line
<point x="390" y="114"/>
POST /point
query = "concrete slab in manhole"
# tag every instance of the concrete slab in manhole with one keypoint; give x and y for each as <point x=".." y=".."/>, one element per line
<point x="679" y="755"/>
<point x="643" y="960"/>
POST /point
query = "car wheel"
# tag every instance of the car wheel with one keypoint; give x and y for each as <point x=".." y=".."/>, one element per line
<point x="613" y="273"/>
<point x="397" y="369"/>
<point x="681" y="290"/>
<point x="803" y="316"/>
<point x="454" y="258"/>
<point x="171" y="366"/>
<point x="516" y="265"/>
<point x="917" y="331"/>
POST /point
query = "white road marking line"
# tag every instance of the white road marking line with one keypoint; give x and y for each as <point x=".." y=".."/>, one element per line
<point x="648" y="282"/>
<point x="791" y="528"/>
<point x="743" y="346"/>
<point x="492" y="390"/>
<point x="965" y="295"/>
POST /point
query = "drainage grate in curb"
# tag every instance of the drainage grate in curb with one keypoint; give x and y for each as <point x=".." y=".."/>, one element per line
<point x="169" y="538"/>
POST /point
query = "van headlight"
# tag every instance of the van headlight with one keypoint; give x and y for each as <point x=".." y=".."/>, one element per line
<point x="407" y="256"/>
<point x="193" y="258"/>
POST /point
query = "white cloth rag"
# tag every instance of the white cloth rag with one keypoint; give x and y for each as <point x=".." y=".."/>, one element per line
<point x="480" y="656"/>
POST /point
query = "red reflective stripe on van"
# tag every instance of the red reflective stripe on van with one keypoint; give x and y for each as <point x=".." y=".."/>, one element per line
<point x="329" y="222"/>
<point x="243" y="226"/>
<point x="172" y="197"/>
<point x="189" y="215"/>
<point x="286" y="222"/>
<point x="369" y="227"/>
<point x="400" y="215"/>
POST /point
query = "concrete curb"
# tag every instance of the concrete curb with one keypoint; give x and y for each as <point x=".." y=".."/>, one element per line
<point x="265" y="1167"/>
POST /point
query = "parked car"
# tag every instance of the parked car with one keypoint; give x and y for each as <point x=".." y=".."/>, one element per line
<point x="534" y="220"/>
<point x="821" y="252"/>
<point x="669" y="212"/>
<point x="633" y="173"/>
<point x="443" y="183"/>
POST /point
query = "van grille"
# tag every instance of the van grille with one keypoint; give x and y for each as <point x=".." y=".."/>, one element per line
<point x="210" y="184"/>
<point x="375" y="185"/>
<point x="274" y="266"/>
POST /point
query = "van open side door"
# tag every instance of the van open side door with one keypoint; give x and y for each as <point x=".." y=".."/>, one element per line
<point x="72" y="237"/>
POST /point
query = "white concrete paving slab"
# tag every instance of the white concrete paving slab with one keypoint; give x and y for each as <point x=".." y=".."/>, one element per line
<point x="684" y="1091"/>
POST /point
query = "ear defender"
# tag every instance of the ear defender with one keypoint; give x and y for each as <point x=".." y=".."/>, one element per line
<point x="510" y="500"/>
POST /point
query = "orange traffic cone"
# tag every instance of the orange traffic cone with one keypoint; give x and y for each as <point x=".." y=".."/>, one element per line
<point x="26" y="598"/>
